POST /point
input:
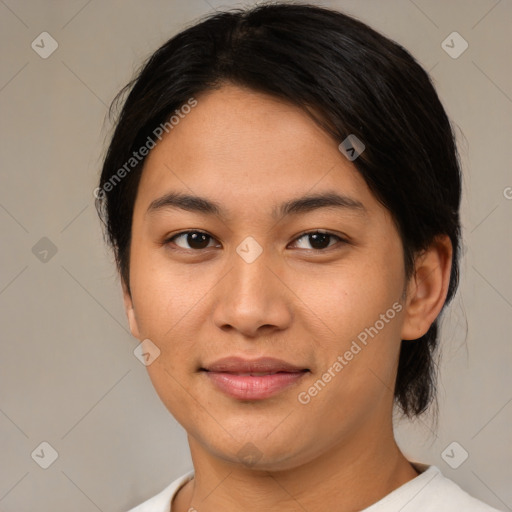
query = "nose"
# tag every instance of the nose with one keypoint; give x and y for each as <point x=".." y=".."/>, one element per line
<point x="252" y="299"/>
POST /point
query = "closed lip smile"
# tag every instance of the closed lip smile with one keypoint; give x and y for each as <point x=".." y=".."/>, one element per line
<point x="252" y="379"/>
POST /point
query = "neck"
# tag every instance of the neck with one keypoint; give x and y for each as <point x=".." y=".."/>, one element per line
<point x="350" y="476"/>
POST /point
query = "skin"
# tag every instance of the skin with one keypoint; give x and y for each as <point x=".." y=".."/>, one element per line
<point x="249" y="153"/>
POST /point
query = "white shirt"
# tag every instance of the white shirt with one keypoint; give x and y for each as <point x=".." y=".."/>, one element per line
<point x="430" y="491"/>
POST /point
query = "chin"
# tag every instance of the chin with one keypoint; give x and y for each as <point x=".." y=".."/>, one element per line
<point x="259" y="452"/>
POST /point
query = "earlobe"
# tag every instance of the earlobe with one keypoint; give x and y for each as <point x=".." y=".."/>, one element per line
<point x="427" y="288"/>
<point x="130" y="312"/>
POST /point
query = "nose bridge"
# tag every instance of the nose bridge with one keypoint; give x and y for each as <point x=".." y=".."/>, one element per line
<point x="251" y="277"/>
<point x="252" y="295"/>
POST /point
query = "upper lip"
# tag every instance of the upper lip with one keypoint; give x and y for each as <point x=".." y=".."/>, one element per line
<point x="241" y="365"/>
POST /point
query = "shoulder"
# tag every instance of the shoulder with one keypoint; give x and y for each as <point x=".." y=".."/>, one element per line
<point x="161" y="501"/>
<point x="430" y="491"/>
<point x="447" y="495"/>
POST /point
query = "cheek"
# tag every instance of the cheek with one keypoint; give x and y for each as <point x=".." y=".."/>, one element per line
<point x="163" y="293"/>
<point x="171" y="308"/>
<point x="356" y="315"/>
<point x="344" y="301"/>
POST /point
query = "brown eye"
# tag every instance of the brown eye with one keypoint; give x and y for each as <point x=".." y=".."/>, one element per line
<point x="196" y="240"/>
<point x="319" y="240"/>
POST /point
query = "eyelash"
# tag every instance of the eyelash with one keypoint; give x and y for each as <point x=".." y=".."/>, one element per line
<point x="327" y="233"/>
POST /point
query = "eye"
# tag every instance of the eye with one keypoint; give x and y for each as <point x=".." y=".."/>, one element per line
<point x="319" y="240"/>
<point x="196" y="240"/>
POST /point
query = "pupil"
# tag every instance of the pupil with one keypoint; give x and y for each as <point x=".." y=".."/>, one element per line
<point x="199" y="239"/>
<point x="319" y="240"/>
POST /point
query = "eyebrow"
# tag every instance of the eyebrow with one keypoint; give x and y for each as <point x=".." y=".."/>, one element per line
<point x="296" y="206"/>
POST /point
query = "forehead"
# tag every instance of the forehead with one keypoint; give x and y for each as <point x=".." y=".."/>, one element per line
<point x="249" y="148"/>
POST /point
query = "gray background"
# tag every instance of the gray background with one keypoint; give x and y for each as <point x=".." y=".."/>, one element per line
<point x="68" y="375"/>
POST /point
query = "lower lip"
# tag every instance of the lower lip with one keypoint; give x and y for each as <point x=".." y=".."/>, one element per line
<point x="257" y="387"/>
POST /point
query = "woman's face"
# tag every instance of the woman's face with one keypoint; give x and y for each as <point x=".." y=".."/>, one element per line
<point x="256" y="285"/>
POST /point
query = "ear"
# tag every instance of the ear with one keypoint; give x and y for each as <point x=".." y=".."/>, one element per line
<point x="130" y="311"/>
<point x="427" y="288"/>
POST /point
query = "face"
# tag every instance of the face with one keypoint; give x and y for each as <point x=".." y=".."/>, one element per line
<point x="285" y="254"/>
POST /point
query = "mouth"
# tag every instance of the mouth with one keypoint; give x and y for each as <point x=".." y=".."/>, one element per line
<point x="256" y="379"/>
